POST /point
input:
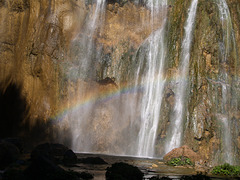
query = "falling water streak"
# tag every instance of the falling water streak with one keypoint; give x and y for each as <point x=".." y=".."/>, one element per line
<point x="228" y="36"/>
<point x="177" y="123"/>
<point x="87" y="42"/>
<point x="95" y="17"/>
<point x="153" y="92"/>
<point x="226" y="25"/>
<point x="227" y="142"/>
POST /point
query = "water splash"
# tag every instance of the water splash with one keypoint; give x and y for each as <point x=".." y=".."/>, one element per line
<point x="225" y="48"/>
<point x="94" y="21"/>
<point x="177" y="122"/>
<point x="153" y="82"/>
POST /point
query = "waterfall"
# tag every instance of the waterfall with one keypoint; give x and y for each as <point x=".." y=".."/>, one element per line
<point x="94" y="20"/>
<point x="177" y="121"/>
<point x="153" y="83"/>
<point x="86" y="57"/>
<point x="225" y="48"/>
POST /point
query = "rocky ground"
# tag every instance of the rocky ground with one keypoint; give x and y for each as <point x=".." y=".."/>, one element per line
<point x="39" y="53"/>
<point x="53" y="161"/>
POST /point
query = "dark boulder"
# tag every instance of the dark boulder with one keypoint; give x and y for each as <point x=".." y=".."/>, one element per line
<point x="18" y="142"/>
<point x="195" y="177"/>
<point x="53" y="152"/>
<point x="123" y="171"/>
<point x="58" y="149"/>
<point x="69" y="157"/>
<point x="9" y="153"/>
<point x="43" y="167"/>
<point x="85" y="175"/>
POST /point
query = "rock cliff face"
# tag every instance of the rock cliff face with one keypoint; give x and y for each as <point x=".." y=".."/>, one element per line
<point x="40" y="74"/>
<point x="35" y="36"/>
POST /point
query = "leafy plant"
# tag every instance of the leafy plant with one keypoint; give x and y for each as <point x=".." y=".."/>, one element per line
<point x="226" y="170"/>
<point x="180" y="161"/>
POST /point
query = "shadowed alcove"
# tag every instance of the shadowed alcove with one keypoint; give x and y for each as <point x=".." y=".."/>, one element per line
<point x="13" y="110"/>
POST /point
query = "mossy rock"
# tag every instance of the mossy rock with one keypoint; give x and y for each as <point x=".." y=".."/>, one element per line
<point x="180" y="161"/>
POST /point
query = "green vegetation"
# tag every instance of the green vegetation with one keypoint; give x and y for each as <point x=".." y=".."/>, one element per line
<point x="226" y="170"/>
<point x="180" y="161"/>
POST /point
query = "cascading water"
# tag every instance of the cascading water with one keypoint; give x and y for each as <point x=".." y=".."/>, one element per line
<point x="153" y="83"/>
<point x="177" y="122"/>
<point x="225" y="48"/>
<point x="93" y="22"/>
<point x="129" y="123"/>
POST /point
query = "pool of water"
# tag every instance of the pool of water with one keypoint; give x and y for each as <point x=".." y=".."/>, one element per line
<point x="150" y="167"/>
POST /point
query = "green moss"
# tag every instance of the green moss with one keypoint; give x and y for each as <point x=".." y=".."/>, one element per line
<point x="226" y="170"/>
<point x="180" y="161"/>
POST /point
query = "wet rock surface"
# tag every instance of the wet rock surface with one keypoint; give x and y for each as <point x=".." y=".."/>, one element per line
<point x="183" y="151"/>
<point x="39" y="55"/>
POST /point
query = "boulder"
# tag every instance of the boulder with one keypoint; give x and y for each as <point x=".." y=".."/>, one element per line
<point x="18" y="142"/>
<point x="195" y="177"/>
<point x="58" y="149"/>
<point x="69" y="157"/>
<point x="50" y="151"/>
<point x="123" y="171"/>
<point x="43" y="168"/>
<point x="183" y="151"/>
<point x="43" y="163"/>
<point x="9" y="153"/>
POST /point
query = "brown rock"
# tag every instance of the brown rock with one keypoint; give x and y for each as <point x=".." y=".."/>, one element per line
<point x="183" y="151"/>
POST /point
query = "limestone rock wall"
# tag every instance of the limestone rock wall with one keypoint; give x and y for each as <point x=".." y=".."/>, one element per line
<point x="203" y="129"/>
<point x="34" y="38"/>
<point x="39" y="45"/>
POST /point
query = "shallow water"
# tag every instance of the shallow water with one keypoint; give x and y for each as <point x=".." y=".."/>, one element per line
<point x="150" y="167"/>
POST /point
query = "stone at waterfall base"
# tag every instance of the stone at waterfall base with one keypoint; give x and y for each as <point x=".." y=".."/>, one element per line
<point x="123" y="171"/>
<point x="183" y="151"/>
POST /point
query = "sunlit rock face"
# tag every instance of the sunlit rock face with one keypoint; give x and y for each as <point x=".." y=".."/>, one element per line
<point x="54" y="62"/>
<point x="34" y="36"/>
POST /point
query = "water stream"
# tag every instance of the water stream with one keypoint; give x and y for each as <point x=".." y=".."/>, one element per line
<point x="226" y="48"/>
<point x="175" y="138"/>
<point x="79" y="119"/>
<point x="150" y="76"/>
<point x="153" y="83"/>
<point x="94" y="21"/>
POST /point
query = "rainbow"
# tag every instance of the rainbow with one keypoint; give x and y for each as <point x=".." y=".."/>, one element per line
<point x="105" y="96"/>
<point x="98" y="98"/>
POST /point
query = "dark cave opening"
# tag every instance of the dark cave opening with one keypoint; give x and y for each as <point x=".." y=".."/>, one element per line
<point x="14" y="120"/>
<point x="13" y="111"/>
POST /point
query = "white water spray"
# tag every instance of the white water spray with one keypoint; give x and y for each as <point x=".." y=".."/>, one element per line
<point x="177" y="122"/>
<point x="228" y="38"/>
<point x="153" y="83"/>
<point x="94" y="20"/>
